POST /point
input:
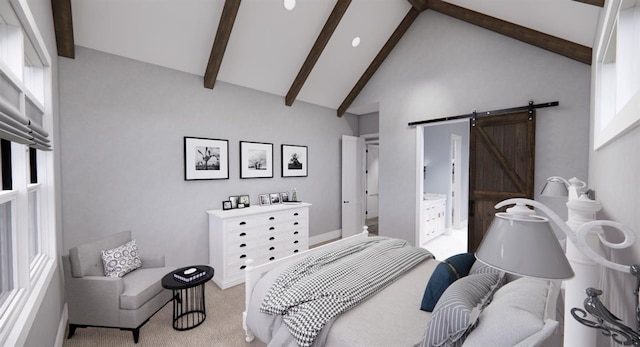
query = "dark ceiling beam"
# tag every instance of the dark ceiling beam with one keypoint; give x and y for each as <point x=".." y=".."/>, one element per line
<point x="599" y="3"/>
<point x="419" y="5"/>
<point x="63" y="26"/>
<point x="228" y="17"/>
<point x="377" y="61"/>
<point x="321" y="42"/>
<point x="554" y="44"/>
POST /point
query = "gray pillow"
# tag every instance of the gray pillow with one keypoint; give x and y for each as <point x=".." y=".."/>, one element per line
<point x="516" y="316"/>
<point x="459" y="308"/>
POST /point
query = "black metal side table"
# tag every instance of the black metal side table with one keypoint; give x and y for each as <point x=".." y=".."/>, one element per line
<point x="188" y="296"/>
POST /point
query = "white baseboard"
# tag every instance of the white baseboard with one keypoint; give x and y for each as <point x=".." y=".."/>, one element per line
<point x="62" y="327"/>
<point x="331" y="235"/>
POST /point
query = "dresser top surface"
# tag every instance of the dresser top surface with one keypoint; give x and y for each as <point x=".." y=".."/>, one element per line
<point x="237" y="212"/>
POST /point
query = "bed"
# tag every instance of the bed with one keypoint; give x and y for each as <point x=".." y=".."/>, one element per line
<point x="518" y="313"/>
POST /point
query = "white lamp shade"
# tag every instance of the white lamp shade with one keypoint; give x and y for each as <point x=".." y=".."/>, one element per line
<point x="555" y="187"/>
<point x="524" y="245"/>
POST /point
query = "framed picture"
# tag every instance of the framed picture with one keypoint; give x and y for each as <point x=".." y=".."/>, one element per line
<point x="226" y="205"/>
<point x="264" y="199"/>
<point x="244" y="199"/>
<point x="295" y="161"/>
<point x="275" y="198"/>
<point x="234" y="201"/>
<point x="256" y="160"/>
<point x="205" y="159"/>
<point x="284" y="197"/>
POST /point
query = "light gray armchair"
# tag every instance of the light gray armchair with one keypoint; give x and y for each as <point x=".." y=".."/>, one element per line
<point x="113" y="302"/>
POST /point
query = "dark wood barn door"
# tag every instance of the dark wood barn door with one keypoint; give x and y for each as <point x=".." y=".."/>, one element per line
<point x="501" y="166"/>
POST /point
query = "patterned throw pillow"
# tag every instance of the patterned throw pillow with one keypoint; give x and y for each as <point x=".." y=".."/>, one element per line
<point x="121" y="260"/>
<point x="458" y="309"/>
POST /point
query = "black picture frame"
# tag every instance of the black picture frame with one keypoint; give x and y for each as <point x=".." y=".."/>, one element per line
<point x="234" y="201"/>
<point x="226" y="205"/>
<point x="244" y="199"/>
<point x="205" y="159"/>
<point x="295" y="161"/>
<point x="275" y="198"/>
<point x="256" y="159"/>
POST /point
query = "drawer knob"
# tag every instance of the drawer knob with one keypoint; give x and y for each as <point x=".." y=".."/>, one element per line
<point x="296" y="232"/>
<point x="272" y="218"/>
<point x="243" y="234"/>
<point x="243" y="256"/>
<point x="295" y="223"/>
<point x="271" y="248"/>
<point x="296" y="241"/>
<point x="272" y="258"/>
<point x="272" y="228"/>
<point x="243" y="223"/>
<point x="295" y="251"/>
<point x="243" y="267"/>
<point x="243" y="245"/>
<point x="272" y="238"/>
<point x="295" y="214"/>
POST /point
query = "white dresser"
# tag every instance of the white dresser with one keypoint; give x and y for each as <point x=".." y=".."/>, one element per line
<point x="261" y="233"/>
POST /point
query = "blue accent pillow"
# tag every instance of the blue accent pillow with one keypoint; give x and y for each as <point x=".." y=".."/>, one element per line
<point x="447" y="272"/>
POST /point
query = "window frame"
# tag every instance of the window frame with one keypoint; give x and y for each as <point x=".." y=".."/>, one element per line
<point x="31" y="277"/>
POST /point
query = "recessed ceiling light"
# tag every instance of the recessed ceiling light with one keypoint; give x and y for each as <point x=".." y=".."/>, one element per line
<point x="289" y="4"/>
<point x="356" y="41"/>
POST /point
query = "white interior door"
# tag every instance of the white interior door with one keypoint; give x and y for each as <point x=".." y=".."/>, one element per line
<point x="353" y="166"/>
<point x="456" y="181"/>
<point x="372" y="181"/>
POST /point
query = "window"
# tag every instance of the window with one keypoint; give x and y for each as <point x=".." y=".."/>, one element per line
<point x="27" y="226"/>
<point x="617" y="72"/>
<point x="6" y="254"/>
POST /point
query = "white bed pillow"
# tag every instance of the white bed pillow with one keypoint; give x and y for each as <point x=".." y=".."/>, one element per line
<point x="517" y="316"/>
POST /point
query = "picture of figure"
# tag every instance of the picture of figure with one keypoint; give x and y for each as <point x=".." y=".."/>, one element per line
<point x="294" y="162"/>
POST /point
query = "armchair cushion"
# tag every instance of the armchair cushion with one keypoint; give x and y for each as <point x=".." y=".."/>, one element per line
<point x="121" y="260"/>
<point x="141" y="286"/>
<point x="85" y="258"/>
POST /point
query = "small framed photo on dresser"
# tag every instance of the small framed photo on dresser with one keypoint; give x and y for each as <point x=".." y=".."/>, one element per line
<point x="284" y="197"/>
<point x="226" y="205"/>
<point x="264" y="199"/>
<point x="244" y="200"/>
<point x="275" y="198"/>
<point x="234" y="201"/>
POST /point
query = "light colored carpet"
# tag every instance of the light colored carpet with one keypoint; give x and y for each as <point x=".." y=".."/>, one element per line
<point x="221" y="328"/>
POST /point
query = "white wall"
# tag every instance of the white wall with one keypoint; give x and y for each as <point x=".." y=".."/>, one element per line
<point x="122" y="129"/>
<point x="442" y="67"/>
<point x="45" y="325"/>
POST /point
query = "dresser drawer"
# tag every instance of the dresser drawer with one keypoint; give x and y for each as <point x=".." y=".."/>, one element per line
<point x="262" y="234"/>
<point x="251" y="221"/>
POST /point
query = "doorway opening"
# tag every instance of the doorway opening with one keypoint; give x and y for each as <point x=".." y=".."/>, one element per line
<point x="444" y="182"/>
<point x="371" y="190"/>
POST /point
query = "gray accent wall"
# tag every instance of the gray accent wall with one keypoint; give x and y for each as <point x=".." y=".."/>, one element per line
<point x="445" y="67"/>
<point x="122" y="129"/>
<point x="369" y="123"/>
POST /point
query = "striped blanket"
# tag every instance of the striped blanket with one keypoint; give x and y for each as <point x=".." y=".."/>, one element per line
<point x="318" y="288"/>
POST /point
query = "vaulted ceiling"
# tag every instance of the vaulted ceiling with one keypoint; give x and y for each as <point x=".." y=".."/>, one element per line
<point x="304" y="54"/>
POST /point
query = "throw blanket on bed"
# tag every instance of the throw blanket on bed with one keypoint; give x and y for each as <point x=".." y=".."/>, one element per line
<point x="318" y="288"/>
